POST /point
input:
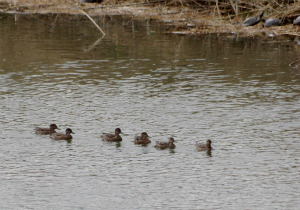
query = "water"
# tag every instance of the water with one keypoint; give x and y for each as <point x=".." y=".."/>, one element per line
<point x="237" y="91"/>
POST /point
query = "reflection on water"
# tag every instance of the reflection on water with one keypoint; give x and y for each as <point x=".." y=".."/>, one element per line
<point x="239" y="92"/>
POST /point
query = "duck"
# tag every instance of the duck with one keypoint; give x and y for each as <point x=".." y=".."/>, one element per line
<point x="297" y="21"/>
<point x="61" y="136"/>
<point x="46" y="131"/>
<point x="142" y="139"/>
<point x="112" y="137"/>
<point x="164" y="145"/>
<point x="251" y="21"/>
<point x="203" y="147"/>
<point x="272" y="22"/>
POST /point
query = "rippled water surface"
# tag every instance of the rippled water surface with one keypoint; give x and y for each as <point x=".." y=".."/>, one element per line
<point x="239" y="92"/>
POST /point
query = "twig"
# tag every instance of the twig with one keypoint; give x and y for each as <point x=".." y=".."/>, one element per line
<point x="49" y="26"/>
<point x="88" y="49"/>
<point x="217" y="4"/>
<point x="236" y="7"/>
<point x="92" y="21"/>
<point x="121" y="5"/>
<point x="291" y="64"/>
<point x="233" y="7"/>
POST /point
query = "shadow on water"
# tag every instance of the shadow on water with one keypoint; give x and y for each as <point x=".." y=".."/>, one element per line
<point x="172" y="151"/>
<point x="118" y="144"/>
<point x="208" y="153"/>
<point x="69" y="141"/>
<point x="123" y="42"/>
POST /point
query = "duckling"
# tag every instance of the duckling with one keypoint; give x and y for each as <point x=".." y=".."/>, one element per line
<point x="46" y="131"/>
<point x="112" y="137"/>
<point x="203" y="147"/>
<point x="61" y="136"/>
<point x="164" y="145"/>
<point x="142" y="139"/>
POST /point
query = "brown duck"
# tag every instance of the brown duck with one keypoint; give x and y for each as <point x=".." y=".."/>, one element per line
<point x="142" y="139"/>
<point x="164" y="145"/>
<point x="61" y="136"/>
<point x="203" y="147"/>
<point x="46" y="131"/>
<point x="112" y="137"/>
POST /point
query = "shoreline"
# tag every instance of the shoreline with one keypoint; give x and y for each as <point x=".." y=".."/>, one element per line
<point x="185" y="21"/>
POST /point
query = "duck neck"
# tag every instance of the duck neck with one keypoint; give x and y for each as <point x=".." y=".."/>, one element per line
<point x="52" y="130"/>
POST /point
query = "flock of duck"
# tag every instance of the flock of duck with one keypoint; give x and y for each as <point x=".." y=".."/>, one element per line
<point x="142" y="139"/>
<point x="267" y="23"/>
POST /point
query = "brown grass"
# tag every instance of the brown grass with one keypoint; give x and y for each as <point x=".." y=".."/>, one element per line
<point x="206" y="16"/>
<point x="227" y="9"/>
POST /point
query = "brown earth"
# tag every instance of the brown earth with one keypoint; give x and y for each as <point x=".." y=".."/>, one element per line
<point x="186" y="20"/>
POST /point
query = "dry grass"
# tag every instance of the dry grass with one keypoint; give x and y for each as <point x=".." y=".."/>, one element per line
<point x="206" y="16"/>
<point x="225" y="9"/>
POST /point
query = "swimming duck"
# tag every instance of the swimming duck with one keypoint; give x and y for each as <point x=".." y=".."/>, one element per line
<point x="112" y="137"/>
<point x="203" y="147"/>
<point x="142" y="139"/>
<point x="46" y="131"/>
<point x="61" y="136"/>
<point x="164" y="145"/>
<point x="251" y="21"/>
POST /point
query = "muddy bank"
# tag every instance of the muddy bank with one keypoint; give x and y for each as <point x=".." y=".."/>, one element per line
<point x="186" y="20"/>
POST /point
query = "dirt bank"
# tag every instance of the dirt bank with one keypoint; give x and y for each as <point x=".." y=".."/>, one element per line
<point x="188" y="20"/>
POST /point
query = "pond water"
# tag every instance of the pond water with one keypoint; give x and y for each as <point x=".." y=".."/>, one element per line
<point x="237" y="91"/>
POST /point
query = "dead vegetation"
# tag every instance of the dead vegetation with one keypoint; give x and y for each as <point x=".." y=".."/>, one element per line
<point x="223" y="8"/>
<point x="190" y="16"/>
